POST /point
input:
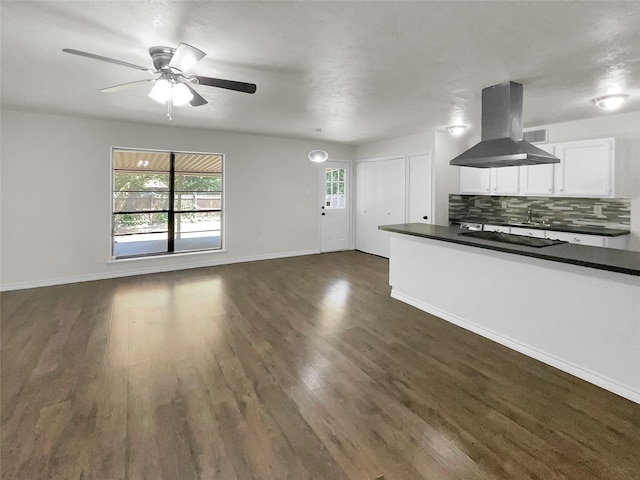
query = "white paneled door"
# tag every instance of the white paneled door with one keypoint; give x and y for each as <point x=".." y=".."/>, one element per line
<point x="381" y="199"/>
<point x="335" y="208"/>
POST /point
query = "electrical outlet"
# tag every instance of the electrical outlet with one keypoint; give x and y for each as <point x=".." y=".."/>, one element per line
<point x="597" y="209"/>
<point x="504" y="204"/>
<point x="477" y="202"/>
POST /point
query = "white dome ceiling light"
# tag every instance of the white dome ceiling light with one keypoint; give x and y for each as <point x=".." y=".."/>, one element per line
<point x="610" y="102"/>
<point x="318" y="156"/>
<point x="456" y="130"/>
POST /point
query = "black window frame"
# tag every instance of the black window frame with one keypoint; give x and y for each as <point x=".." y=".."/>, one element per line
<point x="171" y="211"/>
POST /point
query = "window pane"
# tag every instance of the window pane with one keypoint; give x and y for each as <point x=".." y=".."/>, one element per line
<point x="198" y="241"/>
<point x="341" y="188"/>
<point x="135" y="223"/>
<point x="334" y="175"/>
<point x="140" y="244"/>
<point x="198" y="162"/>
<point x="196" y="222"/>
<point x="341" y="175"/>
<point x="140" y="201"/>
<point x="141" y="160"/>
<point x="328" y="174"/>
<point x="198" y="183"/>
<point x="140" y="181"/>
<point x="334" y="188"/>
<point x="197" y="230"/>
<point x="197" y="201"/>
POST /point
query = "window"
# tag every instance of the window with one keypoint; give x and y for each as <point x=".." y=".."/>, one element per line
<point x="334" y="188"/>
<point x="165" y="202"/>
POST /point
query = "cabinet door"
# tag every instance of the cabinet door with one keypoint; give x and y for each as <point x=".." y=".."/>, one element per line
<point x="505" y="180"/>
<point x="586" y="168"/>
<point x="529" y="232"/>
<point x="538" y="179"/>
<point x="496" y="228"/>
<point x="475" y="180"/>
<point x="578" y="238"/>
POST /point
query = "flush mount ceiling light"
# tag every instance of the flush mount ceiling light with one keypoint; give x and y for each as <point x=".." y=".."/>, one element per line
<point x="318" y="156"/>
<point x="456" y="130"/>
<point x="610" y="102"/>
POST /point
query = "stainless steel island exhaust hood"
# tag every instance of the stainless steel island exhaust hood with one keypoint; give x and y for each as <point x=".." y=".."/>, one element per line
<point x="502" y="144"/>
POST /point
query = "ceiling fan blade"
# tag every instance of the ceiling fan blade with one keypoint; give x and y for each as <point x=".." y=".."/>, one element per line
<point x="107" y="59"/>
<point x="185" y="57"/>
<point x="197" y="99"/>
<point x="124" y="86"/>
<point x="228" y="84"/>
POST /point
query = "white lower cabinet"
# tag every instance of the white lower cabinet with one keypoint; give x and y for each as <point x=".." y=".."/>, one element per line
<point x="529" y="232"/>
<point x="620" y="242"/>
<point x="578" y="238"/>
<point x="496" y="228"/>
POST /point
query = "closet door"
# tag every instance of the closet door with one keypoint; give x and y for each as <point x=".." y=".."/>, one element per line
<point x="380" y="201"/>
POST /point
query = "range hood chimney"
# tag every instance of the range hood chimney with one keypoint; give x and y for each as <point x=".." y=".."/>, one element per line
<point x="502" y="144"/>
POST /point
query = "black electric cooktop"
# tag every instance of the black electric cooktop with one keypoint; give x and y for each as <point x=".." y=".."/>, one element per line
<point x="510" y="238"/>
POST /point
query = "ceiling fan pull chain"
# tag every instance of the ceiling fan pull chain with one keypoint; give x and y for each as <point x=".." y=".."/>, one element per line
<point x="169" y="103"/>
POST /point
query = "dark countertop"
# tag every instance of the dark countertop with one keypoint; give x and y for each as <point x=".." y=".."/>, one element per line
<point x="614" y="260"/>
<point x="587" y="230"/>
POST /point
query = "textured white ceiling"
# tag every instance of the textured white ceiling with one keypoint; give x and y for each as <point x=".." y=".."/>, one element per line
<point x="358" y="70"/>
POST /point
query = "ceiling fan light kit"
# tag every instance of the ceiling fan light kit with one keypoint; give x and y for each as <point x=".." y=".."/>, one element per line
<point x="172" y="87"/>
<point x="165" y="90"/>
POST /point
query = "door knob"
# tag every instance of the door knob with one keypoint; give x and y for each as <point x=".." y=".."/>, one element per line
<point x="323" y="213"/>
<point x="426" y="217"/>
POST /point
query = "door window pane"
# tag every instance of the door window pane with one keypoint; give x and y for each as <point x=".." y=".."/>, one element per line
<point x="334" y="188"/>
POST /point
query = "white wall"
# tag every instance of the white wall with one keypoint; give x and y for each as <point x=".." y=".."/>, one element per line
<point x="443" y="147"/>
<point x="55" y="199"/>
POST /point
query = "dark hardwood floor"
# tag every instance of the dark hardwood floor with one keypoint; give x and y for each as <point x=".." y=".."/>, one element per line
<point x="298" y="368"/>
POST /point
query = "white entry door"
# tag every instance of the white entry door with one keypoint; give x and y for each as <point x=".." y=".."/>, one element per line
<point x="335" y="208"/>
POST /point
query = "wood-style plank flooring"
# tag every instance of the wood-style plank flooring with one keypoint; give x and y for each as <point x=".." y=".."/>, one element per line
<point x="297" y="368"/>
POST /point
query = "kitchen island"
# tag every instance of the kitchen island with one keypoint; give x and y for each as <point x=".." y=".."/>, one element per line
<point x="574" y="307"/>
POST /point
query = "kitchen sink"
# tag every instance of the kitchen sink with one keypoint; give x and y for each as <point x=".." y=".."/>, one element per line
<point x="513" y="239"/>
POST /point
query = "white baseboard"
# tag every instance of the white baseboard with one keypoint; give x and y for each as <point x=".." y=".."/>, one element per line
<point x="559" y="363"/>
<point x="153" y="269"/>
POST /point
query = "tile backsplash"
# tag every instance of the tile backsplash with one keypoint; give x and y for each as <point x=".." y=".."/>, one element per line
<point x="559" y="211"/>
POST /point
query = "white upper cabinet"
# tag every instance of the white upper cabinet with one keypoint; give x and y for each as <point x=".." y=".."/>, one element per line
<point x="505" y="181"/>
<point x="475" y="180"/>
<point x="538" y="179"/>
<point x="586" y="168"/>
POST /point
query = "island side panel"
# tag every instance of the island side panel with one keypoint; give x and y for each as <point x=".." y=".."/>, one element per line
<point x="581" y="320"/>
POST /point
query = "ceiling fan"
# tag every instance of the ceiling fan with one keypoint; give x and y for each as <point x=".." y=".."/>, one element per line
<point x="172" y="86"/>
